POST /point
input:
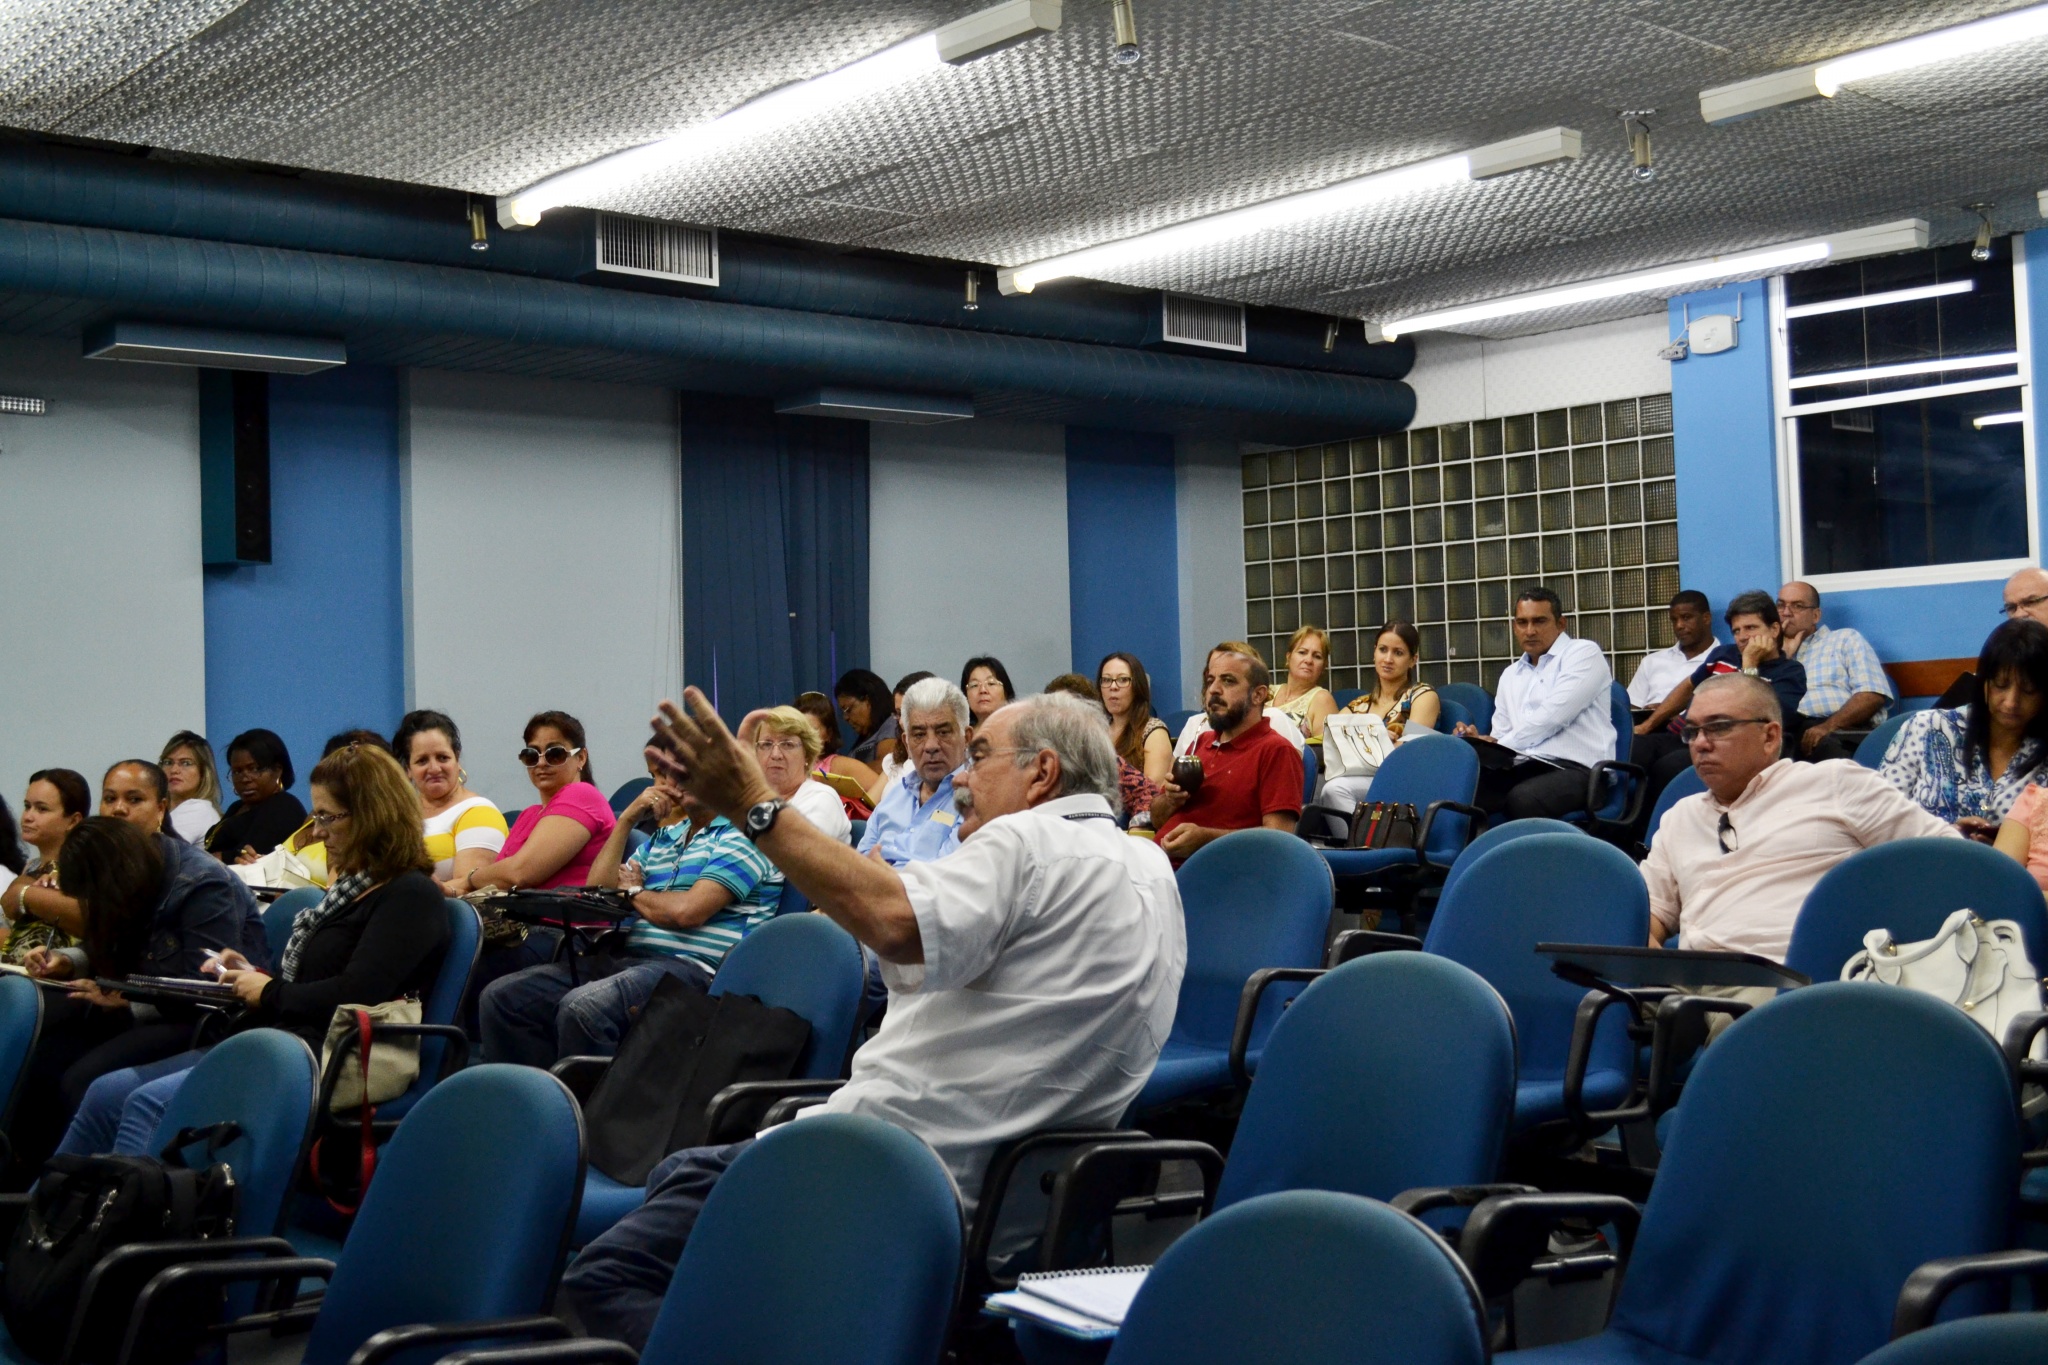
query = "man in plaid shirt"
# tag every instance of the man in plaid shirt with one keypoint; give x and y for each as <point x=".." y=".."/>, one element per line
<point x="1846" y="686"/>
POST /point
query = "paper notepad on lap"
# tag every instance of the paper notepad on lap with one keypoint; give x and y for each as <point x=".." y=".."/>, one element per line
<point x="1084" y="1303"/>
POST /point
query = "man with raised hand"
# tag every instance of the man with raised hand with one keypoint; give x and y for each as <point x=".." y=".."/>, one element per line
<point x="1033" y="973"/>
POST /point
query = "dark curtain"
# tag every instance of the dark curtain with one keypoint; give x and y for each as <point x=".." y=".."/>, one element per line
<point x="775" y="551"/>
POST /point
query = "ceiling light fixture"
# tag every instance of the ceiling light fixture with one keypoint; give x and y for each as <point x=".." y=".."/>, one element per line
<point x="1885" y="238"/>
<point x="1980" y="249"/>
<point x="1997" y="419"/>
<point x="1925" y="291"/>
<point x="479" y="230"/>
<point x="977" y="35"/>
<point x="973" y="300"/>
<point x="1481" y="163"/>
<point x="1126" y="52"/>
<point x="1632" y="123"/>
<point x="1821" y="80"/>
<point x="1966" y="362"/>
<point x="23" y="407"/>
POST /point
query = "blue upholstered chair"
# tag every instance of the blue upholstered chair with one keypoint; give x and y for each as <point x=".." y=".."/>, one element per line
<point x="1422" y="772"/>
<point x="1500" y="834"/>
<point x="21" y="1022"/>
<point x="1687" y="783"/>
<point x="1994" y="1339"/>
<point x="1622" y="783"/>
<point x="279" y="914"/>
<point x="1474" y="699"/>
<point x="1909" y="887"/>
<point x="1450" y="715"/>
<point x="627" y="791"/>
<point x="1875" y="745"/>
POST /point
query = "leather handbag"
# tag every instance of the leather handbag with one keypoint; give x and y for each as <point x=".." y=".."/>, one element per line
<point x="393" y="1064"/>
<point x="1355" y="744"/>
<point x="1979" y="967"/>
<point x="1384" y="824"/>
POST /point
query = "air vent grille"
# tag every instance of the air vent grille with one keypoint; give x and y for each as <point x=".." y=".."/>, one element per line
<point x="662" y="251"/>
<point x="1198" y="322"/>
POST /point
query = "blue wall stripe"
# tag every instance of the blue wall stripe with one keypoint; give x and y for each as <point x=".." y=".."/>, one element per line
<point x="1123" y="562"/>
<point x="314" y="641"/>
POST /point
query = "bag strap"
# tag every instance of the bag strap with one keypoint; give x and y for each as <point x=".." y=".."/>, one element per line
<point x="216" y="1135"/>
<point x="367" y="1110"/>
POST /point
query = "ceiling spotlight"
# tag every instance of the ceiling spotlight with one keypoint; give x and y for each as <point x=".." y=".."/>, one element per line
<point x="1126" y="52"/>
<point x="973" y="303"/>
<point x="479" y="231"/>
<point x="1330" y="335"/>
<point x="1980" y="250"/>
<point x="1632" y="122"/>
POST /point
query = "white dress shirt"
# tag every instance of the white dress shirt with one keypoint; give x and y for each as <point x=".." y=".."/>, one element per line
<point x="1053" y="953"/>
<point x="1664" y="669"/>
<point x="1792" y="823"/>
<point x="1556" y="707"/>
<point x="823" y="808"/>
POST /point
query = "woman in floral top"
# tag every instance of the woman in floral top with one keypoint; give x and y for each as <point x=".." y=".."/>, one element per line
<point x="1969" y="765"/>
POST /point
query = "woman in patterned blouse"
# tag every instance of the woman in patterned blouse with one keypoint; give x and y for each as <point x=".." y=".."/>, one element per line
<point x="1969" y="765"/>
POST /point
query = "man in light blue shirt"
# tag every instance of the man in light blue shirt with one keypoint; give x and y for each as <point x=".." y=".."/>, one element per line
<point x="916" y="821"/>
<point x="1551" y="705"/>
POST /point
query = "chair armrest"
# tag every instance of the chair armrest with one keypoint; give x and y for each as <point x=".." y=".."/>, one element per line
<point x="392" y="1340"/>
<point x="995" y="1188"/>
<point x="1098" y="1179"/>
<point x="1429" y="1198"/>
<point x="1926" y="1287"/>
<point x="1248" y="1014"/>
<point x="1353" y="943"/>
<point x="742" y="1108"/>
<point x="1318" y="821"/>
<point x="1637" y="791"/>
<point x="581" y="1075"/>
<point x="13" y="1208"/>
<point x="1508" y="1233"/>
<point x="789" y="1106"/>
<point x="165" y="1284"/>
<point x="138" y="1262"/>
<point x="583" y="1351"/>
<point x="1471" y="812"/>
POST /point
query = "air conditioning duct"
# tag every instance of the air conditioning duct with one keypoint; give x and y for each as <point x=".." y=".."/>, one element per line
<point x="659" y="251"/>
<point x="1184" y="321"/>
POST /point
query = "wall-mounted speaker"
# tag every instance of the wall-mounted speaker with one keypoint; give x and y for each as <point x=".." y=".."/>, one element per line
<point x="234" y="467"/>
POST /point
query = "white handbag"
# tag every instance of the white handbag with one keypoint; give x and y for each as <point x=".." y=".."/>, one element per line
<point x="1355" y="744"/>
<point x="1979" y="967"/>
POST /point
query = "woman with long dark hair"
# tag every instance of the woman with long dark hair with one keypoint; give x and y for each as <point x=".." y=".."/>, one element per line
<point x="987" y="685"/>
<point x="1969" y="765"/>
<point x="464" y="830"/>
<point x="39" y="915"/>
<point x="865" y="702"/>
<point x="1125" y="691"/>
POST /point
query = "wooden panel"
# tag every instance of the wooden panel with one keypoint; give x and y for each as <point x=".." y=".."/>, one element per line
<point x="1927" y="677"/>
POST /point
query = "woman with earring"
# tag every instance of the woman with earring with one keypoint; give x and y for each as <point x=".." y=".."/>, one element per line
<point x="1302" y="696"/>
<point x="464" y="831"/>
<point x="187" y="761"/>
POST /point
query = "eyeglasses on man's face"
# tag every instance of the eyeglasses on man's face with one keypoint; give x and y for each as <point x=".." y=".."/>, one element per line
<point x="555" y="754"/>
<point x="1716" y="730"/>
<point x="2023" y="606"/>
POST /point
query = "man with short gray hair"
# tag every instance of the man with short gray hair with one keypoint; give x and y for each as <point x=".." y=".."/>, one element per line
<point x="916" y="819"/>
<point x="1033" y="973"/>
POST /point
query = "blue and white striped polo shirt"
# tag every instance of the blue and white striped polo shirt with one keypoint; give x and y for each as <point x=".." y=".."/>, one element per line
<point x="674" y="861"/>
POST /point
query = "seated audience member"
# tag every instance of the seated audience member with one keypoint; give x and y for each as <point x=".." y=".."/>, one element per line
<point x="1407" y="705"/>
<point x="894" y="765"/>
<point x="2025" y="599"/>
<point x="1251" y="777"/>
<point x="187" y="761"/>
<point x="1968" y="766"/>
<point x="377" y="935"/>
<point x="463" y="831"/>
<point x="986" y="684"/>
<point x="1125" y="691"/>
<point x="264" y="813"/>
<point x="787" y="744"/>
<point x="38" y="914"/>
<point x="1692" y="635"/>
<point x="1137" y="792"/>
<point x="1753" y="619"/>
<point x="1552" y="710"/>
<point x="698" y="886"/>
<point x="1846" y="686"/>
<point x="2023" y="835"/>
<point x="865" y="703"/>
<point x="137" y="791"/>
<point x="1032" y="974"/>
<point x="1301" y="695"/>
<point x="844" y="775"/>
<point x="1732" y="865"/>
<point x="916" y="820"/>
<point x="153" y="905"/>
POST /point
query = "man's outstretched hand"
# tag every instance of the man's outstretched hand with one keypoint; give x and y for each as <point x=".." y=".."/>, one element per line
<point x="692" y="745"/>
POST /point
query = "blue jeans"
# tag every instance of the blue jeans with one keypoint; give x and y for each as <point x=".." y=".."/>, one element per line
<point x="120" y="1110"/>
<point x="615" y="1285"/>
<point x="535" y="1017"/>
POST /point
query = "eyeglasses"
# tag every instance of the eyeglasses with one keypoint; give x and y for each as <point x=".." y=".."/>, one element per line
<point x="1106" y="683"/>
<point x="1715" y="730"/>
<point x="778" y="746"/>
<point x="328" y="819"/>
<point x="171" y="763"/>
<point x="555" y="754"/>
<point x="1783" y="605"/>
<point x="2023" y="606"/>
<point x="976" y="760"/>
<point x="1724" y="834"/>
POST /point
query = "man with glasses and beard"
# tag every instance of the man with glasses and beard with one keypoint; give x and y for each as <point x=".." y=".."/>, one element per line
<point x="1731" y="866"/>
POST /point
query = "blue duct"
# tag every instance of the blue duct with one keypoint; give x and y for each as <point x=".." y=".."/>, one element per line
<point x="333" y="295"/>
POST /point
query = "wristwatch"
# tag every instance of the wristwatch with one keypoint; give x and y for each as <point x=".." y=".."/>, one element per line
<point x="1752" y="672"/>
<point x="760" y="819"/>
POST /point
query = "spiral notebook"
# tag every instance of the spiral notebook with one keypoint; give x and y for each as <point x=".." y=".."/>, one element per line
<point x="1089" y="1304"/>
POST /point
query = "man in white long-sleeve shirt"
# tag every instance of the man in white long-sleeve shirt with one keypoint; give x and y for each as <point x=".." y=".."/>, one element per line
<point x="1551" y="709"/>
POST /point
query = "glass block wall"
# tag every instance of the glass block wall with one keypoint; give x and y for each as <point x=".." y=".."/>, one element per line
<point x="1440" y="525"/>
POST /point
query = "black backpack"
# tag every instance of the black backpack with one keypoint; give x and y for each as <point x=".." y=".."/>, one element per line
<point x="85" y="1207"/>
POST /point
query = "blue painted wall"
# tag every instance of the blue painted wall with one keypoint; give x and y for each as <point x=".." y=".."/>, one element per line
<point x="1123" y="561"/>
<point x="314" y="641"/>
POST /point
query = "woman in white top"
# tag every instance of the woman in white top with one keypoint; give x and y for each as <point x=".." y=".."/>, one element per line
<point x="787" y="744"/>
<point x="187" y="761"/>
<point x="1406" y="705"/>
<point x="464" y="831"/>
<point x="1301" y="694"/>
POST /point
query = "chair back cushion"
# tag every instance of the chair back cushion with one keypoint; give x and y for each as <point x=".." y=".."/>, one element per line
<point x="264" y="1080"/>
<point x="1431" y="768"/>
<point x="1996" y="1339"/>
<point x="1501" y="834"/>
<point x="1476" y="700"/>
<point x="810" y="966"/>
<point x="21" y="1019"/>
<point x="1827" y="1144"/>
<point x="279" y="914"/>
<point x="1910" y="886"/>
<point x="1687" y="783"/>
<point x="1254" y="898"/>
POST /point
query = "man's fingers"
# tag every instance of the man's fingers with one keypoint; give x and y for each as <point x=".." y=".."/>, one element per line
<point x="751" y="722"/>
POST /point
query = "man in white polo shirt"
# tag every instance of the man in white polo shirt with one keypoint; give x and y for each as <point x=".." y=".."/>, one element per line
<point x="1552" y="711"/>
<point x="1692" y="640"/>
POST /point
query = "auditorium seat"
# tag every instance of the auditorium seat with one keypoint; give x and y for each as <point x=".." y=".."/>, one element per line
<point x="279" y="914"/>
<point x="1993" y="1339"/>
<point x="1875" y="745"/>
<point x="1909" y="887"/>
<point x="627" y="791"/>
<point x="1428" y="772"/>
<point x="1687" y="783"/>
<point x="21" y="1023"/>
<point x="1476" y="701"/>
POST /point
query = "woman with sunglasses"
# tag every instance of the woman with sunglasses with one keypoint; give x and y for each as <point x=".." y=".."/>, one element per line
<point x="553" y="843"/>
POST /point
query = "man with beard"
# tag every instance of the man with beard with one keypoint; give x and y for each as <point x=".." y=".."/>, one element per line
<point x="1250" y="775"/>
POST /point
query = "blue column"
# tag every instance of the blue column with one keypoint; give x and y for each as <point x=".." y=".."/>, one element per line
<point x="1726" y="452"/>
<point x="1123" y="562"/>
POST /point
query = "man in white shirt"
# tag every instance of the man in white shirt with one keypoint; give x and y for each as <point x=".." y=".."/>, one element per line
<point x="1033" y="972"/>
<point x="1731" y="866"/>
<point x="1552" y="710"/>
<point x="1692" y="632"/>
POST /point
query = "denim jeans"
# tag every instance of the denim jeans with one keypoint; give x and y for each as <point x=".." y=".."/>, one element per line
<point x="535" y="1017"/>
<point x="117" y="1115"/>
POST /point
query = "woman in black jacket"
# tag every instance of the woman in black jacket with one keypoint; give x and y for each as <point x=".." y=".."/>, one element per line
<point x="378" y="934"/>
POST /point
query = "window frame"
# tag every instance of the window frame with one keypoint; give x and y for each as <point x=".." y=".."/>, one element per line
<point x="1791" y="523"/>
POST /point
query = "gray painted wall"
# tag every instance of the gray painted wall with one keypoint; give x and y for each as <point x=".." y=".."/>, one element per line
<point x="1209" y="474"/>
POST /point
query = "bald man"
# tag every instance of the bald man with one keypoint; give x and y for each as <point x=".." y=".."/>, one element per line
<point x="2026" y="594"/>
<point x="1846" y="686"/>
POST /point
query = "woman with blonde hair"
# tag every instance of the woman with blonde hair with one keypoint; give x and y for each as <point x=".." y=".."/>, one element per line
<point x="187" y="761"/>
<point x="787" y="744"/>
<point x="1301" y="695"/>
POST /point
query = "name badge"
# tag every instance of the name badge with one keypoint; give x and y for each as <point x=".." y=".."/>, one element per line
<point x="943" y="817"/>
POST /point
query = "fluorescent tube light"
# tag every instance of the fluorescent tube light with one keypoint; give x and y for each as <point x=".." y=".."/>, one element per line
<point x="1499" y="158"/>
<point x="1998" y="419"/>
<point x="24" y="407"/>
<point x="1967" y="362"/>
<point x="1821" y="80"/>
<point x="1925" y="291"/>
<point x="977" y="35"/>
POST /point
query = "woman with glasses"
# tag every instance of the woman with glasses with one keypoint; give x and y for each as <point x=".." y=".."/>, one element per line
<point x="865" y="703"/>
<point x="553" y="843"/>
<point x="1302" y="698"/>
<point x="787" y="744"/>
<point x="987" y="685"/>
<point x="851" y="779"/>
<point x="464" y="831"/>
<point x="1141" y="738"/>
<point x="264" y="813"/>
<point x="1970" y="765"/>
<point x="187" y="761"/>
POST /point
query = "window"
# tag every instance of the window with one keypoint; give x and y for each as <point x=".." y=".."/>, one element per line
<point x="1440" y="526"/>
<point x="1901" y="397"/>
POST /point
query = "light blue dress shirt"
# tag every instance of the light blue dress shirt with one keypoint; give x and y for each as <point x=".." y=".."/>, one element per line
<point x="911" y="831"/>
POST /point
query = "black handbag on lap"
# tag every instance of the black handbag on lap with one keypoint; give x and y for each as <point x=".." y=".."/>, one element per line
<point x="684" y="1048"/>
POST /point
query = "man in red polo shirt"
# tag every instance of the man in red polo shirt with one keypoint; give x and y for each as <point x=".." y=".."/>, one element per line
<point x="1251" y="775"/>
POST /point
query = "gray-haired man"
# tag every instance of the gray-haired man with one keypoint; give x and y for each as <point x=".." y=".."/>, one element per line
<point x="1049" y="940"/>
<point x="916" y="819"/>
